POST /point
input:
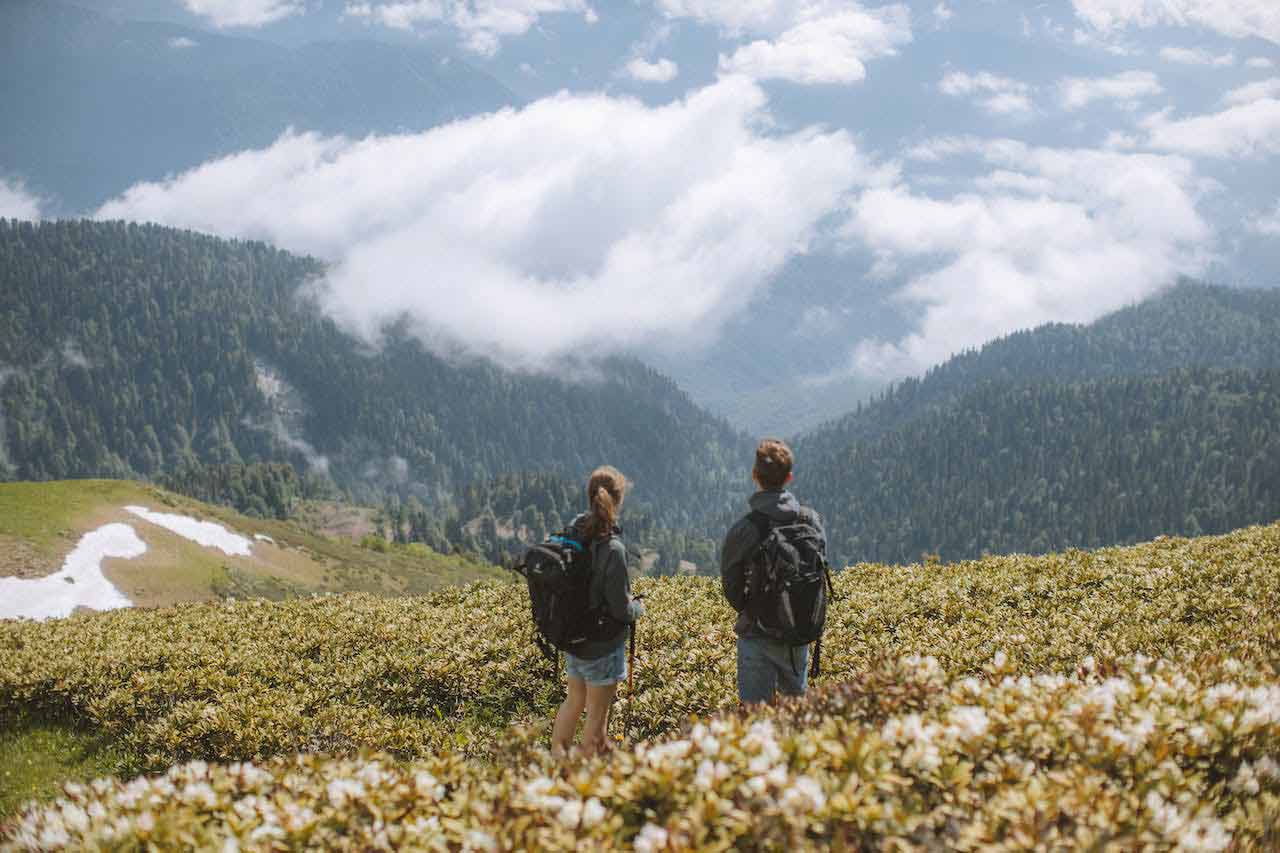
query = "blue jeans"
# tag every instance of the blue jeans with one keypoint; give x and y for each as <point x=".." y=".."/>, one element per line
<point x="766" y="667"/>
<point x="600" y="672"/>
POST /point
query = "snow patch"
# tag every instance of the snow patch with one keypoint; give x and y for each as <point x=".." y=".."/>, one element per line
<point x="80" y="583"/>
<point x="205" y="533"/>
<point x="262" y="537"/>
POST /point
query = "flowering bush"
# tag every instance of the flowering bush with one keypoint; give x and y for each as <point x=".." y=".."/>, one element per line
<point x="1148" y="754"/>
<point x="1125" y="697"/>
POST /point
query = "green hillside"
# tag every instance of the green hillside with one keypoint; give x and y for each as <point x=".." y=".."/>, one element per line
<point x="1125" y="697"/>
<point x="1190" y="325"/>
<point x="1041" y="467"/>
<point x="136" y="351"/>
<point x="40" y="524"/>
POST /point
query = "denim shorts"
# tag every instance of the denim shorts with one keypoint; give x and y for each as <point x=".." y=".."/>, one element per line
<point x="601" y="672"/>
<point x="767" y="667"/>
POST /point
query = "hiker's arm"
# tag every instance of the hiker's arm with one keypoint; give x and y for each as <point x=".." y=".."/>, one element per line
<point x="617" y="590"/>
<point x="733" y="564"/>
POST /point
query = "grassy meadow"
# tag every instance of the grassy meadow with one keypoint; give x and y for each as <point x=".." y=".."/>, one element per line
<point x="1125" y="697"/>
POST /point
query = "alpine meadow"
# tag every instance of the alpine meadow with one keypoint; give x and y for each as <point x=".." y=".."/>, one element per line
<point x="639" y="425"/>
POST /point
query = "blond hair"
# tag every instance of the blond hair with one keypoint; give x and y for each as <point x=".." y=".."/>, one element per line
<point x="606" y="489"/>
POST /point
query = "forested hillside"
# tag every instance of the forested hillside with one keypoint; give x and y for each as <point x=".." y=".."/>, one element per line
<point x="133" y="350"/>
<point x="1191" y="325"/>
<point x="1033" y="468"/>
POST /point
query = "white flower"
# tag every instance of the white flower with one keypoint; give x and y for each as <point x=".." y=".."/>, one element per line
<point x="231" y="845"/>
<point x="593" y="813"/>
<point x="777" y="777"/>
<point x="75" y="817"/>
<point x="652" y="838"/>
<point x="667" y="752"/>
<point x="429" y="786"/>
<point x="371" y="775"/>
<point x="805" y="795"/>
<point x="54" y="836"/>
<point x="1246" y="781"/>
<point x="1000" y="660"/>
<point x="199" y="794"/>
<point x="1206" y="834"/>
<point x="478" y="840"/>
<point x="968" y="722"/>
<point x="342" y="790"/>
<point x="146" y="822"/>
<point x="570" y="814"/>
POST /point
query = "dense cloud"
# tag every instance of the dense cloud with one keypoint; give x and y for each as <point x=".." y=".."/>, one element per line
<point x="1047" y="234"/>
<point x="16" y="202"/>
<point x="804" y="41"/>
<point x="580" y="224"/>
<point x="1249" y="126"/>
<point x="244" y="13"/>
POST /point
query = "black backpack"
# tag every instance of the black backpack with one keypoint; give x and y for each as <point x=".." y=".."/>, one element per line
<point x="558" y="572"/>
<point x="790" y="582"/>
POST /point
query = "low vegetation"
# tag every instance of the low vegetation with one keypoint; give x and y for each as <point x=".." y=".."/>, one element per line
<point x="1126" y="696"/>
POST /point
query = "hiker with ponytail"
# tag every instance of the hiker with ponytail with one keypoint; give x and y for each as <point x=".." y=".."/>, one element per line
<point x="594" y="667"/>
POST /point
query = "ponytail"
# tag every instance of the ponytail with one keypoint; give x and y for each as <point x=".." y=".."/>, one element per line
<point x="605" y="490"/>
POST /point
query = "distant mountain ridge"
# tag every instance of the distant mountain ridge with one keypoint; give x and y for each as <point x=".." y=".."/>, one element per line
<point x="1189" y="325"/>
<point x="1160" y="418"/>
<point x="94" y="104"/>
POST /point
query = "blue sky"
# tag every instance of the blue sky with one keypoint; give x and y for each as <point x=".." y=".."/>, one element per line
<point x="979" y="167"/>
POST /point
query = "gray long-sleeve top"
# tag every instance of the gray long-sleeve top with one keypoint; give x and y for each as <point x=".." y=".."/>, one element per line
<point x="781" y="507"/>
<point x="610" y="590"/>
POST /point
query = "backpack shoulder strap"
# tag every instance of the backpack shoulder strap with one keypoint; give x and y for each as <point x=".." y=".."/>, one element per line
<point x="762" y="523"/>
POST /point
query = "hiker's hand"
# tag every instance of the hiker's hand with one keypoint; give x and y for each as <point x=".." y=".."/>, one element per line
<point x="638" y="606"/>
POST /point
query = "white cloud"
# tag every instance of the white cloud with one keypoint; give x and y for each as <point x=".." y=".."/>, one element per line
<point x="661" y="71"/>
<point x="244" y="13"/>
<point x="1246" y="129"/>
<point x="583" y="224"/>
<point x="942" y="13"/>
<point x="16" y="202"/>
<point x="1196" y="56"/>
<point x="182" y="43"/>
<point x="1125" y="88"/>
<point x="483" y="23"/>
<point x="1048" y="235"/>
<point x="998" y="95"/>
<point x="1251" y="92"/>
<point x="1233" y="18"/>
<point x="1267" y="223"/>
<point x="804" y="41"/>
<point x="1259" y="62"/>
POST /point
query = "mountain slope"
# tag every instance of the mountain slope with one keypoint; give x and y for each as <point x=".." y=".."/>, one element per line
<point x="42" y="524"/>
<point x="94" y="104"/>
<point x="1046" y="466"/>
<point x="1191" y="325"/>
<point x="133" y="350"/>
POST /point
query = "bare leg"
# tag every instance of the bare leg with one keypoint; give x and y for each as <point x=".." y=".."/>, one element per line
<point x="567" y="717"/>
<point x="599" y="701"/>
